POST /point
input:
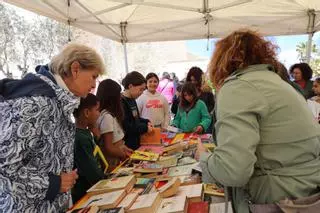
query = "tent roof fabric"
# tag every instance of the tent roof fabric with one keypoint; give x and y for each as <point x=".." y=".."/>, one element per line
<point x="163" y="20"/>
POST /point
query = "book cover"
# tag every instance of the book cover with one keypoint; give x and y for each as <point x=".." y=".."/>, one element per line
<point x="178" y="138"/>
<point x="112" y="184"/>
<point x="147" y="167"/>
<point x="167" y="161"/>
<point x="180" y="170"/>
<point x="128" y="201"/>
<point x="190" y="179"/>
<point x="147" y="203"/>
<point x="170" y="188"/>
<point x="193" y="192"/>
<point x="153" y="137"/>
<point x="173" y="205"/>
<point x="213" y="189"/>
<point x="151" y="148"/>
<point x="186" y="161"/>
<point x="198" y="207"/>
<point x="220" y="207"/>
<point x="144" y="156"/>
<point x="176" y="147"/>
<point x="113" y="210"/>
<point x="106" y="200"/>
<point x="173" y="129"/>
<point x="145" y="184"/>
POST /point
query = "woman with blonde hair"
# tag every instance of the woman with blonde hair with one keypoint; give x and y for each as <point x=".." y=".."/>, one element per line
<point x="268" y="143"/>
<point x="37" y="133"/>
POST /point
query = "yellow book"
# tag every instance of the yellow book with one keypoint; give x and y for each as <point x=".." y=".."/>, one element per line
<point x="179" y="137"/>
<point x="213" y="189"/>
<point x="112" y="184"/>
<point x="144" y="156"/>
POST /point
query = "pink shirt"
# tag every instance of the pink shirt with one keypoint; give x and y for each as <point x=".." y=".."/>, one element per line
<point x="166" y="88"/>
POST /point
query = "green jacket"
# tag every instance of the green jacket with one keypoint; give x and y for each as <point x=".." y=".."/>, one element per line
<point x="307" y="91"/>
<point x="198" y="115"/>
<point x="268" y="142"/>
<point x="88" y="166"/>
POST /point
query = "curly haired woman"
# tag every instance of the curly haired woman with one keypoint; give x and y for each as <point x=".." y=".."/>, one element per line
<point x="268" y="143"/>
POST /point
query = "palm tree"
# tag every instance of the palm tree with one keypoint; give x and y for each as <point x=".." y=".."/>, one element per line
<point x="301" y="48"/>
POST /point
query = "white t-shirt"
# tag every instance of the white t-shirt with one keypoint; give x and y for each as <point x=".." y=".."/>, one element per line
<point x="107" y="123"/>
<point x="315" y="109"/>
<point x="155" y="108"/>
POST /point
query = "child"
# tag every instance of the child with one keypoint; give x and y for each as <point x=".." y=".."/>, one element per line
<point x="88" y="166"/>
<point x="152" y="105"/>
<point x="110" y="123"/>
<point x="176" y="100"/>
<point x="192" y="115"/>
<point x="314" y="102"/>
<point x="134" y="84"/>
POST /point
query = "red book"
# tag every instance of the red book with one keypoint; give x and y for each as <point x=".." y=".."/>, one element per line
<point x="198" y="207"/>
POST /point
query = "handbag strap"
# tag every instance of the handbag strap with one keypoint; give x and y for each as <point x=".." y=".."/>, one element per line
<point x="165" y="86"/>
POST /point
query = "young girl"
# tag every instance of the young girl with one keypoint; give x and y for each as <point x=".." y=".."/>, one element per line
<point x="314" y="102"/>
<point x="134" y="84"/>
<point x="152" y="105"/>
<point x="110" y="122"/>
<point x="192" y="115"/>
<point x="88" y="166"/>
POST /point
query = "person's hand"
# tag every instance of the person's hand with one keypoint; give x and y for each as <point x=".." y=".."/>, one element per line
<point x="198" y="129"/>
<point x="68" y="180"/>
<point x="150" y="128"/>
<point x="126" y="150"/>
<point x="200" y="149"/>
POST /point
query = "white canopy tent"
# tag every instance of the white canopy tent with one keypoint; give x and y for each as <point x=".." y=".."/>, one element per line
<point x="162" y="20"/>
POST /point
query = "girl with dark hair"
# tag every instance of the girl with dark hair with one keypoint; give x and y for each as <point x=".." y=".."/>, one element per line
<point x="196" y="76"/>
<point x="152" y="105"/>
<point x="134" y="84"/>
<point x="314" y="102"/>
<point x="192" y="115"/>
<point x="268" y="143"/>
<point x="316" y="90"/>
<point x="110" y="122"/>
<point x="302" y="74"/>
<point x="204" y="92"/>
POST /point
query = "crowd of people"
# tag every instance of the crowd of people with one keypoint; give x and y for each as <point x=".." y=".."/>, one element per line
<point x="268" y="141"/>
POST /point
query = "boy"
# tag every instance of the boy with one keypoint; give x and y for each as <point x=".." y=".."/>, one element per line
<point x="88" y="166"/>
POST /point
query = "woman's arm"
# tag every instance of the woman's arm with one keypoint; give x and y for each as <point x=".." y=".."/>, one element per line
<point x="240" y="106"/>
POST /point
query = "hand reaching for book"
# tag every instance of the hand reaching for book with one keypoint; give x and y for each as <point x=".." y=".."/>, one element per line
<point x="126" y="151"/>
<point x="200" y="149"/>
<point x="198" y="129"/>
<point x="150" y="128"/>
<point x="68" y="180"/>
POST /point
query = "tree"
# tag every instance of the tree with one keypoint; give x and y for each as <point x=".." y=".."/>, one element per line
<point x="25" y="43"/>
<point x="315" y="56"/>
<point x="301" y="48"/>
<point x="7" y="39"/>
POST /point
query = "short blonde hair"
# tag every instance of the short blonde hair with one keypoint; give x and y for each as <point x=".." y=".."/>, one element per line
<point x="87" y="57"/>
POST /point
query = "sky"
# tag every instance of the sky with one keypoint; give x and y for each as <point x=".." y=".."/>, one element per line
<point x="287" y="47"/>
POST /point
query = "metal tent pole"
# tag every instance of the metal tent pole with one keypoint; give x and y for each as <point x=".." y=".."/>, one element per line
<point x="310" y="30"/>
<point x="125" y="57"/>
<point x="124" y="40"/>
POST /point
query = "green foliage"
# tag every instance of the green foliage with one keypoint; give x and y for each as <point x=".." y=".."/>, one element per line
<point x="25" y="43"/>
<point x="315" y="56"/>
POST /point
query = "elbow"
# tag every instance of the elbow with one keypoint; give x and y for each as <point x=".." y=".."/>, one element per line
<point x="230" y="173"/>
